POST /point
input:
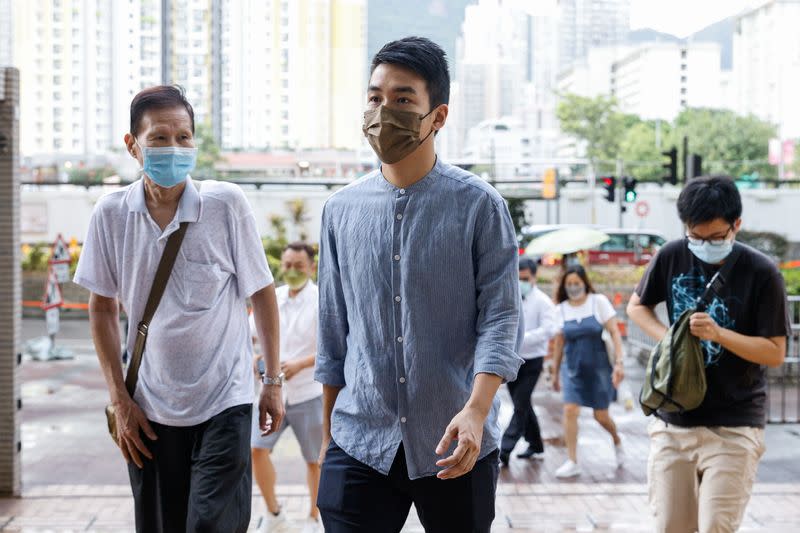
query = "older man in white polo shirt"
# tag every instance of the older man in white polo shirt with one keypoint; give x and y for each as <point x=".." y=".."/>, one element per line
<point x="186" y="432"/>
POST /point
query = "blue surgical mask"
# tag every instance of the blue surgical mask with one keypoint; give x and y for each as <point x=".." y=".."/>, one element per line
<point x="168" y="166"/>
<point x="525" y="288"/>
<point x="713" y="254"/>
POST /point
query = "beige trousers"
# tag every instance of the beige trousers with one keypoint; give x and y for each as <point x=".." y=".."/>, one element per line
<point x="700" y="478"/>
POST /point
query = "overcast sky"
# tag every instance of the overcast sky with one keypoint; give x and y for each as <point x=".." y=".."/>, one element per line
<point x="678" y="17"/>
<point x="684" y="17"/>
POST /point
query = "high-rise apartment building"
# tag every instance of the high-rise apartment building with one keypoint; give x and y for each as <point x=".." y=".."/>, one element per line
<point x="766" y="64"/>
<point x="262" y="74"/>
<point x="586" y="24"/>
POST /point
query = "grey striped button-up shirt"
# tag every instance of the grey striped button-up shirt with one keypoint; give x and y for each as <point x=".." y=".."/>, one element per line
<point x="418" y="293"/>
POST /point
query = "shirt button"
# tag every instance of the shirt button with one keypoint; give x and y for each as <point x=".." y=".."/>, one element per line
<point x="403" y="419"/>
<point x="397" y="298"/>
<point x="399" y="216"/>
<point x="397" y="258"/>
<point x="402" y="191"/>
<point x="400" y="339"/>
<point x="402" y="380"/>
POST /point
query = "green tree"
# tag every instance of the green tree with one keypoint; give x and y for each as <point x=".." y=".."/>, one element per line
<point x="598" y="123"/>
<point x="208" y="152"/>
<point x="516" y="207"/>
<point x="728" y="143"/>
<point x="83" y="176"/>
<point x="642" y="156"/>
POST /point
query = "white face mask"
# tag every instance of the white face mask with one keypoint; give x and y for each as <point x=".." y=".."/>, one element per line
<point x="712" y="253"/>
<point x="575" y="292"/>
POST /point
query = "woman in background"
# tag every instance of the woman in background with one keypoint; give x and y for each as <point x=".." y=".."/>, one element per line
<point x="583" y="368"/>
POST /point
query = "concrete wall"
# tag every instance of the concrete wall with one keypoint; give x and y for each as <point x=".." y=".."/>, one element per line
<point x="66" y="210"/>
<point x="775" y="210"/>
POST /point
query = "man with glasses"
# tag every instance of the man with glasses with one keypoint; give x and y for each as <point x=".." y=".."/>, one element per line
<point x="703" y="462"/>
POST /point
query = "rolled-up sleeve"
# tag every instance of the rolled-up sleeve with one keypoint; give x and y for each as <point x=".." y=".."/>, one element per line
<point x="332" y="330"/>
<point x="497" y="286"/>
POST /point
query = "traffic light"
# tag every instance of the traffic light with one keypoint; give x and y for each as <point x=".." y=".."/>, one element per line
<point x="629" y="185"/>
<point x="549" y="184"/>
<point x="697" y="166"/>
<point x="610" y="186"/>
<point x="672" y="167"/>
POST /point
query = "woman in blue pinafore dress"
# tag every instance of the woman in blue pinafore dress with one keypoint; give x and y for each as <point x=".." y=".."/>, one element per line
<point x="582" y="366"/>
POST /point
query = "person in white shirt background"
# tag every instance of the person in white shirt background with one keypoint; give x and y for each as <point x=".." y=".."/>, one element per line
<point x="298" y="307"/>
<point x="582" y="364"/>
<point x="540" y="325"/>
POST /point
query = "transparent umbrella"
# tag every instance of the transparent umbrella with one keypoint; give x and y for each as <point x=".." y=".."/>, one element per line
<point x="566" y="241"/>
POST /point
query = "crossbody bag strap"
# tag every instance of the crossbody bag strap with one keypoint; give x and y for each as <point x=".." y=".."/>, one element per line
<point x="163" y="273"/>
<point x="719" y="279"/>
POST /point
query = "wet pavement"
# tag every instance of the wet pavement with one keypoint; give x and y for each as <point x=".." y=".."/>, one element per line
<point x="74" y="478"/>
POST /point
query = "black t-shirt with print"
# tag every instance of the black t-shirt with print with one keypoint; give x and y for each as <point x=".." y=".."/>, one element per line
<point x="752" y="302"/>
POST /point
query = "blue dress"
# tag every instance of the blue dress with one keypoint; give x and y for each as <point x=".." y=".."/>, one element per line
<point x="585" y="370"/>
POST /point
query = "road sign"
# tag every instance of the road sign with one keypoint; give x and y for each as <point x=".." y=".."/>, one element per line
<point x="60" y="259"/>
<point x="52" y="318"/>
<point x="61" y="271"/>
<point x="52" y="292"/>
<point x="642" y="209"/>
<point x="59" y="253"/>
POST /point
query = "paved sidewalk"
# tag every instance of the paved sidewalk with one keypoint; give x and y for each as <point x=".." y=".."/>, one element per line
<point x="74" y="478"/>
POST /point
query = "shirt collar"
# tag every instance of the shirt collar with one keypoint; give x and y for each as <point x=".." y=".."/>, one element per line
<point x="188" y="205"/>
<point x="421" y="185"/>
<point x="302" y="296"/>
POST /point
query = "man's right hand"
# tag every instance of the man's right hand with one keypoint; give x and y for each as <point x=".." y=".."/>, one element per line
<point x="131" y="422"/>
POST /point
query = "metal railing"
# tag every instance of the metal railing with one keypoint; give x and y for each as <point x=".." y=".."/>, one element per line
<point x="783" y="382"/>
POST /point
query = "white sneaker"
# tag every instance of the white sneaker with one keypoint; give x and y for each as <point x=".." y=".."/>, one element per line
<point x="312" y="526"/>
<point x="278" y="524"/>
<point x="619" y="453"/>
<point x="568" y="470"/>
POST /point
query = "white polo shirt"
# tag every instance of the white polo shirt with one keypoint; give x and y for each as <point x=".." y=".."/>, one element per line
<point x="198" y="358"/>
<point x="298" y="317"/>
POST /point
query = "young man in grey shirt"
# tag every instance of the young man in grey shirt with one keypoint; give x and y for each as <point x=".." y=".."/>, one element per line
<point x="419" y="311"/>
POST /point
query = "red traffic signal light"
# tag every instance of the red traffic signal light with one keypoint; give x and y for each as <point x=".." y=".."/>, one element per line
<point x="610" y="186"/>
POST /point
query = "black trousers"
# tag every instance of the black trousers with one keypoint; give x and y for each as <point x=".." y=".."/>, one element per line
<point x="199" y="479"/>
<point x="354" y="498"/>
<point x="523" y="421"/>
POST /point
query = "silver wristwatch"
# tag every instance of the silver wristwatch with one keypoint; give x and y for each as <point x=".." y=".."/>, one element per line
<point x="277" y="380"/>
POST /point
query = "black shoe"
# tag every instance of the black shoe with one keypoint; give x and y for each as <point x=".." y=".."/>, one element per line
<point x="504" y="457"/>
<point x="530" y="453"/>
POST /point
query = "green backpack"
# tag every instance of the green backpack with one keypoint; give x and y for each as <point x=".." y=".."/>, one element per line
<point x="675" y="378"/>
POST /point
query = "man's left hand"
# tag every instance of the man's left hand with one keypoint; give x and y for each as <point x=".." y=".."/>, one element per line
<point x="270" y="409"/>
<point x="291" y="368"/>
<point x="467" y="428"/>
<point x="703" y="327"/>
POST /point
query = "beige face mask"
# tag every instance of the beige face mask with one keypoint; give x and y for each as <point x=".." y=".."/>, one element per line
<point x="393" y="134"/>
